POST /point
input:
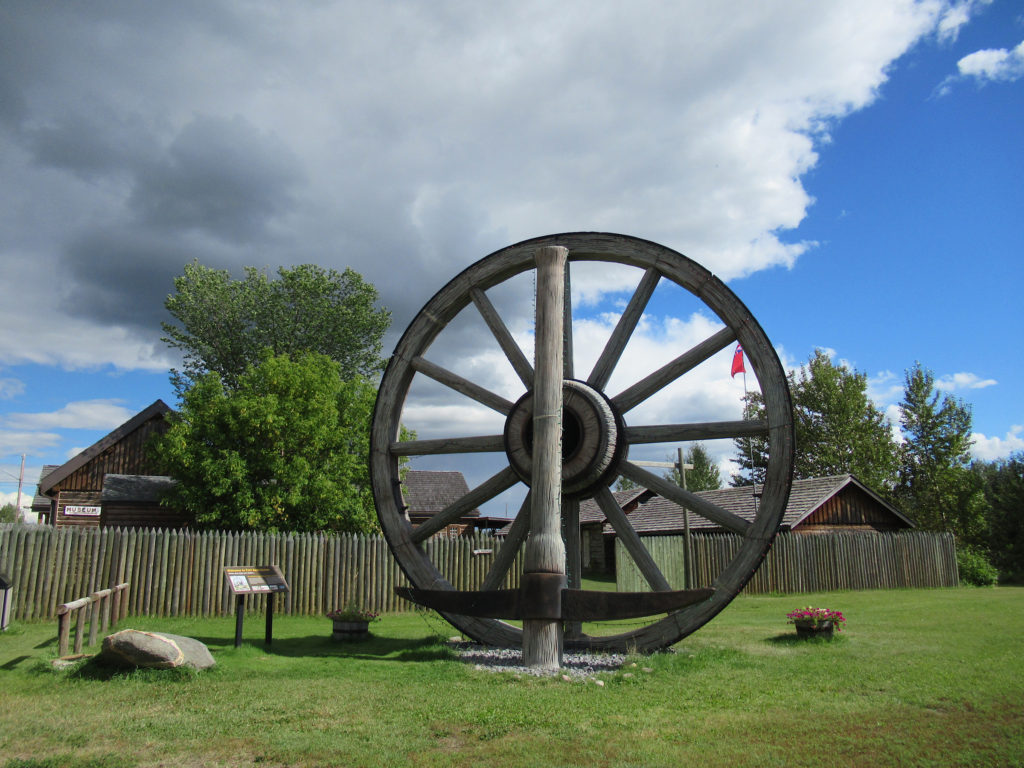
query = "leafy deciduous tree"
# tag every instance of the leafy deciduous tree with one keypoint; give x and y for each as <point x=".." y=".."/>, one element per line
<point x="224" y="325"/>
<point x="285" y="449"/>
<point x="837" y="428"/>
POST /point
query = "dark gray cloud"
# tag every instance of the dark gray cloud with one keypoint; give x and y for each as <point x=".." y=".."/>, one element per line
<point x="404" y="140"/>
<point x="221" y="177"/>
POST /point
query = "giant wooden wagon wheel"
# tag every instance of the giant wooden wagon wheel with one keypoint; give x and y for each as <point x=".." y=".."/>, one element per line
<point x="596" y="434"/>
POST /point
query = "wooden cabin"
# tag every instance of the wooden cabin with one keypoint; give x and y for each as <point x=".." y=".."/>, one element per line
<point x="75" y="489"/>
<point x="133" y="501"/>
<point x="598" y="549"/>
<point x="427" y="492"/>
<point x="819" y="505"/>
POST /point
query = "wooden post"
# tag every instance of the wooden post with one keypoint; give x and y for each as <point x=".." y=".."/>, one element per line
<point x="63" y="631"/>
<point x="269" y="636"/>
<point x="545" y="551"/>
<point x="239" y="618"/>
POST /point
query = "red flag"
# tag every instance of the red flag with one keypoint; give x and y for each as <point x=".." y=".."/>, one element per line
<point x="737" y="361"/>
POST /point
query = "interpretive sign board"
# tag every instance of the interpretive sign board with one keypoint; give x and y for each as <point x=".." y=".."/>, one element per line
<point x="255" y="580"/>
<point x="249" y="580"/>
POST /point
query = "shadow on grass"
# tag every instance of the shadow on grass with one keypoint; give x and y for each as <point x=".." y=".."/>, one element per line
<point x="318" y="646"/>
<point x="794" y="640"/>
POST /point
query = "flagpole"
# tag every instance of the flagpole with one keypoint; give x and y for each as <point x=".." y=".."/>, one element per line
<point x="739" y="367"/>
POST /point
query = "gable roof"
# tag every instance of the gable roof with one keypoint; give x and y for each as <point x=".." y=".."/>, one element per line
<point x="590" y="512"/>
<point x="659" y="515"/>
<point x="40" y="502"/>
<point x="427" y="492"/>
<point x="64" y="470"/>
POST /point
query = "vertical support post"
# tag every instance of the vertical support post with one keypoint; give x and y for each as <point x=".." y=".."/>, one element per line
<point x="63" y="632"/>
<point x="239" y="618"/>
<point x="545" y="550"/>
<point x="687" y="542"/>
<point x="79" y="629"/>
<point x="269" y="636"/>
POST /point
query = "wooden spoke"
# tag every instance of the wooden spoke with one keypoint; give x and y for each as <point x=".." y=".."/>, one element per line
<point x="476" y="444"/>
<point x="483" y="493"/>
<point x="631" y="541"/>
<point x="623" y="330"/>
<point x="711" y="430"/>
<point x="643" y="389"/>
<point x="504" y="338"/>
<point x="459" y="384"/>
<point x="506" y="556"/>
<point x="690" y="501"/>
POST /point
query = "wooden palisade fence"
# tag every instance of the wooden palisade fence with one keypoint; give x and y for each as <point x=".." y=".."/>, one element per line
<point x="807" y="562"/>
<point x="181" y="573"/>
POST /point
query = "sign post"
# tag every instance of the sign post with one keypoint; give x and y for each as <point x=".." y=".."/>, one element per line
<point x="255" y="580"/>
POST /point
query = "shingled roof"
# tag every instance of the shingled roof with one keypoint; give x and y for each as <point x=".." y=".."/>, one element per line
<point x="590" y="512"/>
<point x="427" y="492"/>
<point x="136" y="488"/>
<point x="659" y="515"/>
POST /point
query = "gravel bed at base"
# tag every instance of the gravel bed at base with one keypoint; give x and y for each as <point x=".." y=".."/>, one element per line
<point x="574" y="664"/>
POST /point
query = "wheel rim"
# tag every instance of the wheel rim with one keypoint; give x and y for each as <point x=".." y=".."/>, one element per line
<point x="607" y="458"/>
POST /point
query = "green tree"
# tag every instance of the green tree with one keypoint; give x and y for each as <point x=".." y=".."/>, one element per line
<point x="223" y="325"/>
<point x="837" y="428"/>
<point x="285" y="449"/>
<point x="1003" y="486"/>
<point x="936" y="486"/>
<point x="624" y="484"/>
<point x="751" y="452"/>
<point x="703" y="477"/>
<point x="8" y="513"/>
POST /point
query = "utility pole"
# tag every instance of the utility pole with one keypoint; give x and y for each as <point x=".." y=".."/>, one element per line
<point x="21" y="479"/>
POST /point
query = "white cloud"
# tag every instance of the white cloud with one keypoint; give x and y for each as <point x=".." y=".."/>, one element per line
<point x="691" y="124"/>
<point x="11" y="388"/>
<point x="84" y="414"/>
<point x="955" y="16"/>
<point x="14" y="442"/>
<point x="999" y="64"/>
<point x="992" y="448"/>
<point x="954" y="381"/>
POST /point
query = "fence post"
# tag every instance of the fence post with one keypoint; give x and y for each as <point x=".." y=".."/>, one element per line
<point x="63" y="630"/>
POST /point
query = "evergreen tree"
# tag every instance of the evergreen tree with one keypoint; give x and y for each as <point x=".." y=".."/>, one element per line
<point x="1003" y="484"/>
<point x="704" y="476"/>
<point x="751" y="452"/>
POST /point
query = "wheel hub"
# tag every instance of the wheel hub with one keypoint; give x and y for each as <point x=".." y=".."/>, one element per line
<point x="593" y="439"/>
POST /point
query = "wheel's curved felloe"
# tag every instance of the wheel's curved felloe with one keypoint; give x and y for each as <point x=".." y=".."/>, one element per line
<point x="596" y="436"/>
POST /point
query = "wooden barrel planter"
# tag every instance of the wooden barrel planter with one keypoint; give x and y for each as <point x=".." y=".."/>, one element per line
<point x="814" y="629"/>
<point x="350" y="630"/>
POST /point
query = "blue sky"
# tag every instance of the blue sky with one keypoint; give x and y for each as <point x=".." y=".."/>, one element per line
<point x="853" y="171"/>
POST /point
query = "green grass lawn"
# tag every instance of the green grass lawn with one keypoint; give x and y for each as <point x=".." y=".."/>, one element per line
<point x="920" y="678"/>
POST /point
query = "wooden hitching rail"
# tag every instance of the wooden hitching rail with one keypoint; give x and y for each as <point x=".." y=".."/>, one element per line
<point x="106" y="607"/>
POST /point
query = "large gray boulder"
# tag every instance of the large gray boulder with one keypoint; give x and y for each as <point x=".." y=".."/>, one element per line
<point x="155" y="650"/>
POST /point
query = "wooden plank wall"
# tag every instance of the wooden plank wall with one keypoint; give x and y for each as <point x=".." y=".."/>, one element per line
<point x="180" y="573"/>
<point x="800" y="563"/>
